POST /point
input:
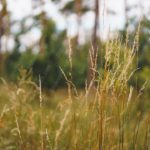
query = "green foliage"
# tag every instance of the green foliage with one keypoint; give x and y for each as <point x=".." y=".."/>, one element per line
<point x="47" y="63"/>
<point x="16" y="61"/>
<point x="80" y="65"/>
<point x="11" y="65"/>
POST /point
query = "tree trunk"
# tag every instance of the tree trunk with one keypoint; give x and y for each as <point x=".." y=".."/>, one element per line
<point x="3" y="28"/>
<point x="43" y="24"/>
<point x="94" y="50"/>
<point x="0" y="55"/>
<point x="126" y="15"/>
<point x="78" y="7"/>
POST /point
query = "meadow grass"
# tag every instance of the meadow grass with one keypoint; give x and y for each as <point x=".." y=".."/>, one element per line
<point x="111" y="115"/>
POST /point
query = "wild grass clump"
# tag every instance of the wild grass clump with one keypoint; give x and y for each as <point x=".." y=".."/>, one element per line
<point x="107" y="116"/>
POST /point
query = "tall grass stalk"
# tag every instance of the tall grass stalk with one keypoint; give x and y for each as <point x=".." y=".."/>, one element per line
<point x="41" y="113"/>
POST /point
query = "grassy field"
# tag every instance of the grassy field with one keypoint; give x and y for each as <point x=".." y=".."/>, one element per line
<point x="76" y="122"/>
<point x="110" y="116"/>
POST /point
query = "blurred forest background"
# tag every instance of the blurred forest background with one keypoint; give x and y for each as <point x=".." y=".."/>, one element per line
<point x="37" y="44"/>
